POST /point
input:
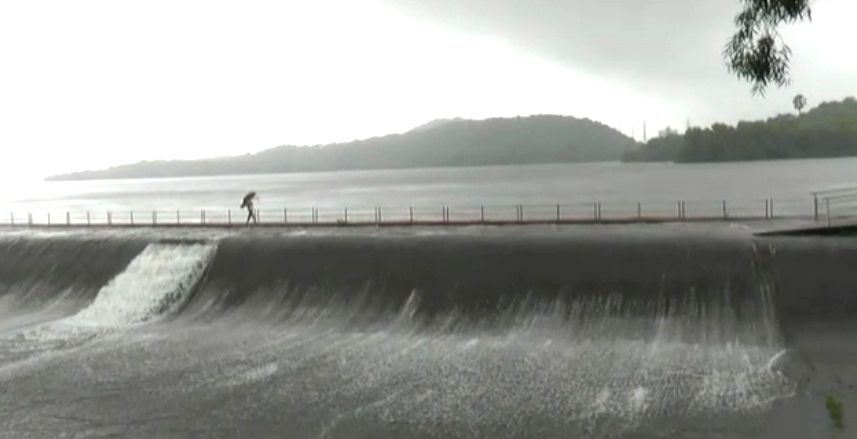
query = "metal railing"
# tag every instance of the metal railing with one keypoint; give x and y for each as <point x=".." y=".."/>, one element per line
<point x="589" y="212"/>
<point x="836" y="206"/>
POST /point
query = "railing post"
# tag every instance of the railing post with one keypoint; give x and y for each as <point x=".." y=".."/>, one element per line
<point x="521" y="218"/>
<point x="725" y="211"/>
<point x="258" y="216"/>
<point x="49" y="218"/>
<point x="109" y="218"/>
<point x="411" y="214"/>
<point x="202" y="216"/>
<point x="772" y="208"/>
<point x="815" y="206"/>
<point x="639" y="211"/>
<point x="178" y="217"/>
<point x="131" y="215"/>
<point x="68" y="218"/>
<point x="827" y="201"/>
<point x="380" y="215"/>
<point x="314" y="216"/>
<point x="285" y="215"/>
<point x="595" y="211"/>
<point x="482" y="214"/>
<point x="346" y="215"/>
<point x="558" y="214"/>
<point x="229" y="217"/>
<point x="11" y="218"/>
<point x="88" y="219"/>
<point x="683" y="210"/>
<point x="154" y="217"/>
<point x="29" y="219"/>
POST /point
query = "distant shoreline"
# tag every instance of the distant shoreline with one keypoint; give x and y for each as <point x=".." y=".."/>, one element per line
<point x="347" y="171"/>
<point x="59" y="178"/>
<point x="540" y="139"/>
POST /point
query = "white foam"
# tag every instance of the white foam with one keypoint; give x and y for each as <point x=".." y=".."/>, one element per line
<point x="638" y="399"/>
<point x="600" y="405"/>
<point x="157" y="281"/>
<point x="252" y="375"/>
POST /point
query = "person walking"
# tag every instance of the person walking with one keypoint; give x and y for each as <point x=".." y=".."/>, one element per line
<point x="251" y="210"/>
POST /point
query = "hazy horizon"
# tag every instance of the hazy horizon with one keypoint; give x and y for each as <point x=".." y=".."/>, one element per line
<point x="98" y="84"/>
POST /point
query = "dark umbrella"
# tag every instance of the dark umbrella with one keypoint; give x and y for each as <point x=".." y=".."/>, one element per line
<point x="248" y="198"/>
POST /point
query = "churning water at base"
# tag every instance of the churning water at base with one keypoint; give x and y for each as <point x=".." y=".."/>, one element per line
<point x="516" y="384"/>
<point x="156" y="283"/>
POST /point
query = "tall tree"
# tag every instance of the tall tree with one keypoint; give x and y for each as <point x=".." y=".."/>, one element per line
<point x="756" y="52"/>
<point x="799" y="102"/>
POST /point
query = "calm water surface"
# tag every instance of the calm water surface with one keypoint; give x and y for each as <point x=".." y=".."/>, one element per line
<point x="618" y="185"/>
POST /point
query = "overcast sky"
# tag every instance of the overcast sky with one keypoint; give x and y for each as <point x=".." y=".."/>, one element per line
<point x="90" y="84"/>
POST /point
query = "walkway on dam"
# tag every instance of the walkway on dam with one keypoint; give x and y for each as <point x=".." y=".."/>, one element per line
<point x="829" y="209"/>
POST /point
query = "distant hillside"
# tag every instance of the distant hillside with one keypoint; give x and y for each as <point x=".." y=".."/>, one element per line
<point x="436" y="123"/>
<point x="442" y="143"/>
<point x="829" y="130"/>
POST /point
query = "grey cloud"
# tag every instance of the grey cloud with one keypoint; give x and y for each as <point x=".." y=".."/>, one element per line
<point x="671" y="49"/>
<point x="621" y="38"/>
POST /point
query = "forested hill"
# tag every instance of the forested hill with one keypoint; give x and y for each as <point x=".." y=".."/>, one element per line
<point x="452" y="142"/>
<point x="829" y="130"/>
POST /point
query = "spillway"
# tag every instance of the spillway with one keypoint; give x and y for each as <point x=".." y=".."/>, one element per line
<point x="601" y="331"/>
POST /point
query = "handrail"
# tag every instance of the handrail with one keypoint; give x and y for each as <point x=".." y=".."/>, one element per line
<point x="828" y="195"/>
<point x="842" y="198"/>
<point x="835" y="190"/>
<point x="559" y="213"/>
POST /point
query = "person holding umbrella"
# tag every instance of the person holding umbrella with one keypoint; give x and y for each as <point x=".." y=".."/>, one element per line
<point x="248" y="203"/>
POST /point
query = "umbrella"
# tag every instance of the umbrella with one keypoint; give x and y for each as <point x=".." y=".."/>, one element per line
<point x="248" y="198"/>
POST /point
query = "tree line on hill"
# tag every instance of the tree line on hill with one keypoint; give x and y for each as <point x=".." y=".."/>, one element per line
<point x="829" y="130"/>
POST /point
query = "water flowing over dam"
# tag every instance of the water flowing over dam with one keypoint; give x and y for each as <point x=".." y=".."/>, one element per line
<point x="554" y="331"/>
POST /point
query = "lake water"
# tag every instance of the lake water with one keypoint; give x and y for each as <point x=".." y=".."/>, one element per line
<point x="619" y="186"/>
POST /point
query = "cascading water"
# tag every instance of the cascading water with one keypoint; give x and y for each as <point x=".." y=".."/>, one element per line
<point x="158" y="280"/>
<point x="429" y="337"/>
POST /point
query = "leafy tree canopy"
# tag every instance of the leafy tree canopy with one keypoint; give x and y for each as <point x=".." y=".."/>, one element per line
<point x="756" y="52"/>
